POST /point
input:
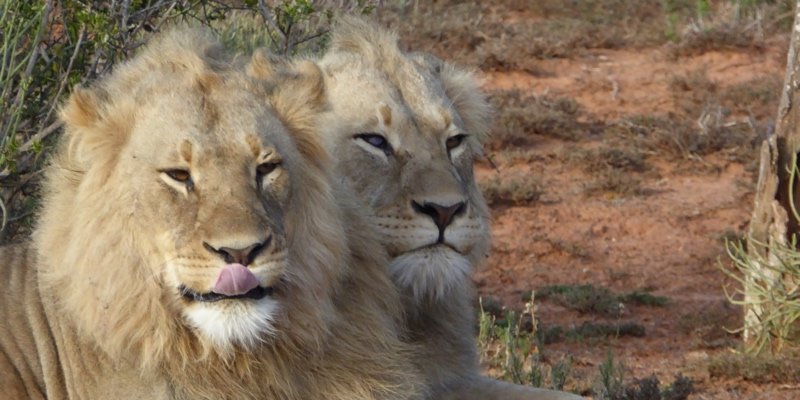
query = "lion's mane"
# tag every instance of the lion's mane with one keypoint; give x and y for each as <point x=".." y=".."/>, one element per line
<point x="102" y="310"/>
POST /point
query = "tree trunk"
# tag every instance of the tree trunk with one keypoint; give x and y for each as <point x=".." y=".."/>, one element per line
<point x="774" y="220"/>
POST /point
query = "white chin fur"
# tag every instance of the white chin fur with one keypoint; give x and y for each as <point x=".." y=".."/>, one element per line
<point x="430" y="273"/>
<point x="233" y="322"/>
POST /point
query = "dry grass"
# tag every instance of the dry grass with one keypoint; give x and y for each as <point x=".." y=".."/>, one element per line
<point x="597" y="300"/>
<point x="515" y="34"/>
<point x="524" y="116"/>
<point x="680" y="138"/>
<point x="614" y="171"/>
<point x="522" y="32"/>
<point x="711" y="326"/>
<point x="721" y="25"/>
<point x="757" y="97"/>
<point x="757" y="369"/>
<point x="510" y="190"/>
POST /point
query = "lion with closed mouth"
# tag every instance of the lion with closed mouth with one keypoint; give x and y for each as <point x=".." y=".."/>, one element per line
<point x="191" y="245"/>
<point x="405" y="129"/>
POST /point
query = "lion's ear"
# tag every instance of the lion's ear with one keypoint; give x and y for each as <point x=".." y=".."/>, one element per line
<point x="299" y="93"/>
<point x="353" y="34"/>
<point x="468" y="99"/>
<point x="265" y="66"/>
<point x="82" y="109"/>
<point x="299" y="97"/>
<point x="92" y="133"/>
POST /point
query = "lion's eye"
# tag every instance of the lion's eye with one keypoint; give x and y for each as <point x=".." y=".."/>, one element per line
<point x="377" y="141"/>
<point x="179" y="175"/>
<point x="454" y="141"/>
<point x="266" y="168"/>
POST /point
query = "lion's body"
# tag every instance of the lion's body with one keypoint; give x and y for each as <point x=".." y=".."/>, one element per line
<point x="173" y="163"/>
<point x="43" y="358"/>
<point x="405" y="129"/>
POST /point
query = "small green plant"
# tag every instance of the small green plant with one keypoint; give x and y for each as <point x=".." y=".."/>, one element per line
<point x="650" y="389"/>
<point x="644" y="298"/>
<point x="591" y="330"/>
<point x="559" y="373"/>
<point x="768" y="276"/>
<point x="609" y="385"/>
<point x="599" y="300"/>
<point x="584" y="298"/>
<point x="514" y="345"/>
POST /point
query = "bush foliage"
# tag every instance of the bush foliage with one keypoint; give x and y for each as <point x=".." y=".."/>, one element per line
<point x="50" y="46"/>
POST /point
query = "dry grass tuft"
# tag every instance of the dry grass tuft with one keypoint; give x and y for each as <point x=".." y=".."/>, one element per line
<point x="516" y="189"/>
<point x="524" y="116"/>
<point x="757" y="369"/>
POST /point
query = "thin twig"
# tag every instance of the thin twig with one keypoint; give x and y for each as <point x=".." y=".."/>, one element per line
<point x="319" y="33"/>
<point x="268" y="14"/>
<point x="41" y="135"/>
<point x="5" y="215"/>
<point x="35" y="55"/>
<point x="61" y="86"/>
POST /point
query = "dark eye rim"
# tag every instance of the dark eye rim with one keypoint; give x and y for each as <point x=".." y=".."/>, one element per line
<point x="458" y="138"/>
<point x="179" y="175"/>
<point x="266" y="168"/>
<point x="385" y="146"/>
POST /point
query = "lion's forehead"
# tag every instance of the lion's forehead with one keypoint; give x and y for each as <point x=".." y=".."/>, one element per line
<point x="422" y="103"/>
<point x="225" y="131"/>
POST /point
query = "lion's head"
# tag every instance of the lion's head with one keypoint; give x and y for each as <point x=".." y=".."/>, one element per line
<point x="181" y="218"/>
<point x="406" y="129"/>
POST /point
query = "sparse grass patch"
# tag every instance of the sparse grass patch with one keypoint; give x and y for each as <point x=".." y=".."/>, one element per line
<point x="715" y="25"/>
<point x="597" y="300"/>
<point x="524" y="116"/>
<point x="692" y="92"/>
<point x="592" y="330"/>
<point x="615" y="183"/>
<point x="756" y="368"/>
<point x="511" y="190"/>
<point x="610" y="385"/>
<point x="504" y="40"/>
<point x="643" y="298"/>
<point x="613" y="169"/>
<point x="583" y="298"/>
<point x="757" y="97"/>
<point x="625" y="158"/>
<point x="513" y="346"/>
<point x="514" y="155"/>
<point x="679" y="138"/>
<point x="710" y="326"/>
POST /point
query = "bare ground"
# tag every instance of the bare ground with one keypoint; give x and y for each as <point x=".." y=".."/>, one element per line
<point x="617" y="205"/>
<point x="669" y="239"/>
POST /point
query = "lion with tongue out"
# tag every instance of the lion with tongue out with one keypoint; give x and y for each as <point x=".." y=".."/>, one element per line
<point x="191" y="245"/>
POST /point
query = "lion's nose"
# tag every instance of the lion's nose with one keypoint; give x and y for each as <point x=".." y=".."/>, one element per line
<point x="243" y="256"/>
<point x="442" y="216"/>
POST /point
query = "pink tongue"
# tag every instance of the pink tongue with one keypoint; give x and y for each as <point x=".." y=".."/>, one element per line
<point x="235" y="279"/>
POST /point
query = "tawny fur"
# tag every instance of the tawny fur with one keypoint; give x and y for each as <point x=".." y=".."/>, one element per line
<point x="91" y="310"/>
<point x="417" y="102"/>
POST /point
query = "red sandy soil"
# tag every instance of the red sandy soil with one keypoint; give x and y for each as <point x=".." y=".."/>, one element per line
<point x="668" y="240"/>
